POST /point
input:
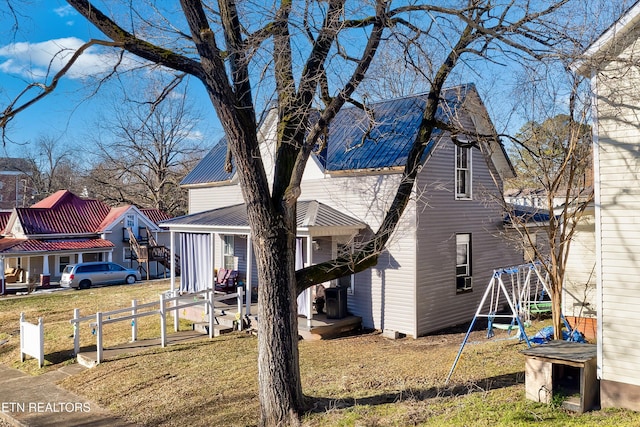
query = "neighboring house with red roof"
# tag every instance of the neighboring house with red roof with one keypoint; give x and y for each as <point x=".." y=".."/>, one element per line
<point x="39" y="241"/>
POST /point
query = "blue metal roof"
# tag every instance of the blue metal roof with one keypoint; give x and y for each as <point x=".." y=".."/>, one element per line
<point x="211" y="167"/>
<point x="356" y="140"/>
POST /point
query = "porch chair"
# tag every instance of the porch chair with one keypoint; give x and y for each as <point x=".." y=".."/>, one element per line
<point x="226" y="280"/>
<point x="13" y="274"/>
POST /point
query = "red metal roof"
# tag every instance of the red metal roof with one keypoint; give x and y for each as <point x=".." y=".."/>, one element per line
<point x="9" y="245"/>
<point x="63" y="213"/>
<point x="155" y="215"/>
<point x="4" y="218"/>
<point x="112" y="216"/>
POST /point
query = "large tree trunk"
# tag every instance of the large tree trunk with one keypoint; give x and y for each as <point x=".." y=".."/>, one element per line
<point x="280" y="388"/>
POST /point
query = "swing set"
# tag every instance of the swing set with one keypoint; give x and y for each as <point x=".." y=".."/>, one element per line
<point x="526" y="296"/>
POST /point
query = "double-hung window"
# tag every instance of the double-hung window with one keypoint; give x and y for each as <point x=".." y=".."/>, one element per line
<point x="228" y="252"/>
<point x="464" y="281"/>
<point x="463" y="172"/>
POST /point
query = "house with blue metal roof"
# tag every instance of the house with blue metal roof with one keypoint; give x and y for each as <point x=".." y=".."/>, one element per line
<point x="440" y="259"/>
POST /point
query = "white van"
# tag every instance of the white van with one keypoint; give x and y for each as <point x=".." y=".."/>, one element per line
<point x="86" y="274"/>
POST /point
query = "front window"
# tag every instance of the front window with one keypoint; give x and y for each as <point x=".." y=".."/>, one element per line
<point x="463" y="172"/>
<point x="228" y="253"/>
<point x="463" y="263"/>
<point x="62" y="262"/>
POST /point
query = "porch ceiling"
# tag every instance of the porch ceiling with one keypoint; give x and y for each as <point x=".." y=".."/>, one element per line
<point x="313" y="219"/>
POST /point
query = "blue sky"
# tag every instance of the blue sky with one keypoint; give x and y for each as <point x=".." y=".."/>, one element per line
<point x="46" y="27"/>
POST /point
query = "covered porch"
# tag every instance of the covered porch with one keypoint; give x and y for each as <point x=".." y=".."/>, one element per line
<point x="221" y="238"/>
<point x="30" y="263"/>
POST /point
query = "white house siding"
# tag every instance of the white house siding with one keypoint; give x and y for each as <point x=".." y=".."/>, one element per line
<point x="440" y="218"/>
<point x="384" y="296"/>
<point x="207" y="198"/>
<point x="618" y="160"/>
<point x="579" y="290"/>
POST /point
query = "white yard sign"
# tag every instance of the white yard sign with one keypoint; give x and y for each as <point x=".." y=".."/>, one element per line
<point x="32" y="340"/>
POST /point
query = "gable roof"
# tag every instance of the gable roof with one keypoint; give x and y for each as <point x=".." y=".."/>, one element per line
<point x="356" y="141"/>
<point x="211" y="167"/>
<point x="612" y="41"/>
<point x="155" y="215"/>
<point x="310" y="214"/>
<point x="4" y="219"/>
<point x="64" y="213"/>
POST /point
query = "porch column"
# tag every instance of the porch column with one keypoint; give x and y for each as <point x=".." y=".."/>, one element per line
<point x="110" y="256"/>
<point x="27" y="270"/>
<point x="45" y="277"/>
<point x="2" y="281"/>
<point x="248" y="289"/>
<point x="79" y="257"/>
<point x="172" y="254"/>
<point x="308" y="290"/>
<point x="212" y="276"/>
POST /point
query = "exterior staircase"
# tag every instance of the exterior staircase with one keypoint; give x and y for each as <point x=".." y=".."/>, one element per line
<point x="151" y="251"/>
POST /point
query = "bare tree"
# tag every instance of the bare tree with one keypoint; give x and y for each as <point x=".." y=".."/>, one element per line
<point x="56" y="166"/>
<point x="553" y="156"/>
<point x="314" y="56"/>
<point x="145" y="147"/>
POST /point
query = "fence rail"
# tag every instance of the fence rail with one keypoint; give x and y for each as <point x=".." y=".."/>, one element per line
<point x="160" y="308"/>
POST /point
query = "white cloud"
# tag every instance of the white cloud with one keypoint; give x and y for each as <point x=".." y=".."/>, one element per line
<point x="38" y="60"/>
<point x="65" y="11"/>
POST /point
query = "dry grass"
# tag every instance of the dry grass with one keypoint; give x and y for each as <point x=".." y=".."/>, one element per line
<point x="363" y="380"/>
<point x="56" y="309"/>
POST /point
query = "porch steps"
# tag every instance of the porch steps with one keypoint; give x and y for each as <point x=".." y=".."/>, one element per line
<point x="203" y="328"/>
<point x="319" y="328"/>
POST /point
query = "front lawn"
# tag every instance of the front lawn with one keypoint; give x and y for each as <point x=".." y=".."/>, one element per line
<point x="363" y="380"/>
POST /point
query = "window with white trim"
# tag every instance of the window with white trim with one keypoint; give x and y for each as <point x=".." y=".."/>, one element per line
<point x="228" y="252"/>
<point x="464" y="282"/>
<point x="463" y="172"/>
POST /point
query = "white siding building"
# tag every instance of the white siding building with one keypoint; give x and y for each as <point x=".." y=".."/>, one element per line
<point x="440" y="259"/>
<point x="611" y="63"/>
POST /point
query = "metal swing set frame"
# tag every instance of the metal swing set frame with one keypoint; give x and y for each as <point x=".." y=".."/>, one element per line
<point x="524" y="298"/>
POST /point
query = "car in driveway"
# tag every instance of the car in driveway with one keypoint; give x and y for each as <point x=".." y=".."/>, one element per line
<point x="86" y="274"/>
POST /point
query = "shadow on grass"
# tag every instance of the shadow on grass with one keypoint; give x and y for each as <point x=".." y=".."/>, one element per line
<point x="322" y="404"/>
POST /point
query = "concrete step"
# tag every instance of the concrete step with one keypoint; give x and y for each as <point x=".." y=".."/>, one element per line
<point x="86" y="361"/>
<point x="218" y="329"/>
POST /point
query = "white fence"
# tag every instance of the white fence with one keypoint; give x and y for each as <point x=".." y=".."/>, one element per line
<point x="32" y="340"/>
<point x="160" y="308"/>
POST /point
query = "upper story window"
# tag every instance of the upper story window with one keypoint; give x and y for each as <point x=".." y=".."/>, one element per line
<point x="463" y="172"/>
<point x="130" y="221"/>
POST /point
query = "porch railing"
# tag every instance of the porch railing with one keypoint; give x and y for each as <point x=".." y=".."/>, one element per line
<point x="161" y="308"/>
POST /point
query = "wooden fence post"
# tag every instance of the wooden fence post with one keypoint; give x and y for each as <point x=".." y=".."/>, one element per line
<point x="134" y="321"/>
<point x="76" y="331"/>
<point x="98" y="337"/>
<point x="239" y="289"/>
<point x="163" y="322"/>
<point x="176" y="312"/>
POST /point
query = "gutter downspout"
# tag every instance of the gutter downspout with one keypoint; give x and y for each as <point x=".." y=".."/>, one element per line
<point x="595" y="146"/>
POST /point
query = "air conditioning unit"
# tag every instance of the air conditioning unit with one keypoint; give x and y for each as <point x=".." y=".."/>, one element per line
<point x="468" y="283"/>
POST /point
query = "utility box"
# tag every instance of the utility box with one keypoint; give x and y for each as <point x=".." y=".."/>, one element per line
<point x="336" y="302"/>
